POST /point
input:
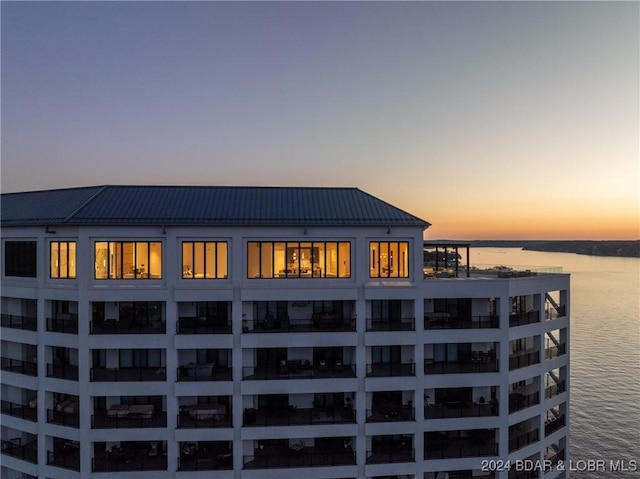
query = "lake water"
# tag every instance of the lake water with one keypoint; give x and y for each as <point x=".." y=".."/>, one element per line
<point x="605" y="352"/>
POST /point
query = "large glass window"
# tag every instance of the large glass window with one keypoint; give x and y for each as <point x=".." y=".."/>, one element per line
<point x="389" y="259"/>
<point x="20" y="258"/>
<point x="62" y="259"/>
<point x="293" y="259"/>
<point x="128" y="260"/>
<point x="204" y="259"/>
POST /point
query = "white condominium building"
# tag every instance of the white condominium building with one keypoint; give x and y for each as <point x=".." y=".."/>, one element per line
<point x="244" y="332"/>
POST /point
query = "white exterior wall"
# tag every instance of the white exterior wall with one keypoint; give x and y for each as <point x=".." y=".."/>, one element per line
<point x="415" y="293"/>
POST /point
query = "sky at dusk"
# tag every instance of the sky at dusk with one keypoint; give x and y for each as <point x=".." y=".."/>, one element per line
<point x="492" y="120"/>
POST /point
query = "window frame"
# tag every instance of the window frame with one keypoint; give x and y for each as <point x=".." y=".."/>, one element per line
<point x="220" y="264"/>
<point x="381" y="258"/>
<point x="298" y="259"/>
<point x="71" y="260"/>
<point x="122" y="253"/>
<point x="20" y="258"/>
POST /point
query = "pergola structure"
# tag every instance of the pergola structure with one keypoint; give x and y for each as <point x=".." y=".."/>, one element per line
<point x="449" y="248"/>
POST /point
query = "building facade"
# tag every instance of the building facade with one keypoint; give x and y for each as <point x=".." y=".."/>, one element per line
<point x="209" y="332"/>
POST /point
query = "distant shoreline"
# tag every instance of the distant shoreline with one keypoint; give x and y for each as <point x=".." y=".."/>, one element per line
<point x="622" y="249"/>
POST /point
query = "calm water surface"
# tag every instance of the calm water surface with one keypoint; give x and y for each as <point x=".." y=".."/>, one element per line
<point x="605" y="351"/>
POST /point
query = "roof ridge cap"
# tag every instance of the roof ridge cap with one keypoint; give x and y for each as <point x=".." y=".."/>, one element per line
<point x="85" y="203"/>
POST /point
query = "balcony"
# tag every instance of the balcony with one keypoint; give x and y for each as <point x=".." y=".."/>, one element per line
<point x="113" y="326"/>
<point x="128" y="374"/>
<point x="555" y="351"/>
<point x="483" y="363"/>
<point x="63" y="371"/>
<point x="67" y="456"/>
<point x="448" y="321"/>
<point x="552" y="313"/>
<point x="391" y="414"/>
<point x="524" y="318"/>
<point x="379" y="370"/>
<point x="19" y="366"/>
<point x="203" y="325"/>
<point x="456" y="409"/>
<point x="67" y="324"/>
<point x="319" y="322"/>
<point x="204" y="415"/>
<point x="299" y="369"/>
<point x="553" y="424"/>
<point x="454" y="444"/>
<point x="123" y="416"/>
<point x="16" y="447"/>
<point x="522" y="359"/>
<point x="391" y="324"/>
<point x="520" y="440"/>
<point x="18" y="322"/>
<point x="390" y="456"/>
<point x="204" y="372"/>
<point x="519" y="401"/>
<point x="205" y="456"/>
<point x="293" y="416"/>
<point x="136" y="456"/>
<point x="555" y="389"/>
<point x="299" y="455"/>
<point x="28" y="412"/>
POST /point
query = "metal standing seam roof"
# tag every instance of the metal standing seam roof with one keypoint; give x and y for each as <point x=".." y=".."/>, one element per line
<point x="202" y="205"/>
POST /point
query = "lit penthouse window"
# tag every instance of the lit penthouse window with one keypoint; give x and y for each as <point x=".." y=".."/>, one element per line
<point x="128" y="260"/>
<point x="204" y="259"/>
<point x="293" y="259"/>
<point x="62" y="260"/>
<point x="389" y="259"/>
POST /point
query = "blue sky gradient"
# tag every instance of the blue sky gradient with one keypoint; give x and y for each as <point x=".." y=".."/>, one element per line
<point x="489" y="120"/>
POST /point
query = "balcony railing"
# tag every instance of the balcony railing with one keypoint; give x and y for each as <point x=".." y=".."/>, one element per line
<point x="299" y="370"/>
<point x="378" y="370"/>
<point x="555" y="389"/>
<point x="521" y="319"/>
<point x="190" y="419"/>
<point x="63" y="371"/>
<point x="102" y="419"/>
<point x="455" y="409"/>
<point x="555" y="351"/>
<point x="128" y="374"/>
<point x="319" y="323"/>
<point x="129" y="460"/>
<point x="394" y="414"/>
<point x="67" y="325"/>
<point x="445" y="447"/>
<point x="447" y="321"/>
<point x="523" y="359"/>
<point x="395" y="324"/>
<point x="14" y="448"/>
<point x="112" y="326"/>
<point x="553" y="425"/>
<point x="19" y="366"/>
<point x="19" y="322"/>
<point x="202" y="326"/>
<point x="521" y="440"/>
<point x="65" y="458"/>
<point x="19" y="410"/>
<point x="400" y="454"/>
<point x="204" y="372"/>
<point x="519" y="401"/>
<point x="71" y="419"/>
<point x="206" y="461"/>
<point x="552" y="313"/>
<point x="461" y="367"/>
<point x="293" y="416"/>
<point x="302" y="457"/>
